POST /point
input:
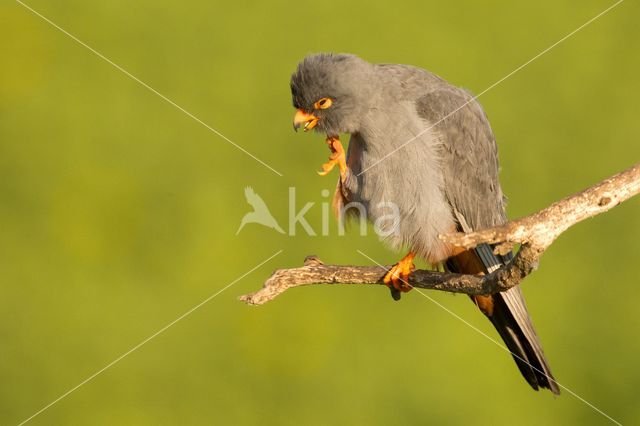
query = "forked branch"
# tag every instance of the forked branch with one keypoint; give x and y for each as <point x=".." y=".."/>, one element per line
<point x="535" y="233"/>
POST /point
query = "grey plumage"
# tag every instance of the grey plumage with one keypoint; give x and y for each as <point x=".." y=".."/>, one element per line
<point x="445" y="179"/>
<point x="335" y="76"/>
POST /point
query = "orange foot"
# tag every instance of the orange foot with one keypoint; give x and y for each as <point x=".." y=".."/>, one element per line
<point x="398" y="275"/>
<point x="337" y="157"/>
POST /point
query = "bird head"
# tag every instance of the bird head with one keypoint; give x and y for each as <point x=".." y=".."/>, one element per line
<point x="331" y="92"/>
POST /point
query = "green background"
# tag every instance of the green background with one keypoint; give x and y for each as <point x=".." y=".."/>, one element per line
<point x="118" y="213"/>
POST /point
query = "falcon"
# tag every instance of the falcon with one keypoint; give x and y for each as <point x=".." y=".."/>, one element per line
<point x="427" y="147"/>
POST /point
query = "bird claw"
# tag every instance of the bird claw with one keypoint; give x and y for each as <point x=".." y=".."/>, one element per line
<point x="337" y="158"/>
<point x="398" y="276"/>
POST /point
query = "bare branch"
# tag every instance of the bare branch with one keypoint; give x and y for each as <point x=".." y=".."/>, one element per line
<point x="542" y="228"/>
<point x="535" y="232"/>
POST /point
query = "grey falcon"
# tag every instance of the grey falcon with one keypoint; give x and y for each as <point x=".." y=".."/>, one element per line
<point x="444" y="180"/>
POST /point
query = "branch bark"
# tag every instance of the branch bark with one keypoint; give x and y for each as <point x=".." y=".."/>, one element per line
<point x="535" y="233"/>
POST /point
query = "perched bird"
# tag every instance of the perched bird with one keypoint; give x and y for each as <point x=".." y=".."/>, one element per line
<point x="426" y="146"/>
<point x="260" y="213"/>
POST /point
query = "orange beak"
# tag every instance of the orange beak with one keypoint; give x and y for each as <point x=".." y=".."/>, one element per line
<point x="303" y="118"/>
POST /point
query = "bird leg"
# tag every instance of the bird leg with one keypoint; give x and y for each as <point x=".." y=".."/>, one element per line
<point x="398" y="275"/>
<point x="337" y="157"/>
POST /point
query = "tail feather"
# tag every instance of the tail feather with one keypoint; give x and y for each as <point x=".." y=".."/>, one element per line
<point x="508" y="313"/>
<point x="512" y="321"/>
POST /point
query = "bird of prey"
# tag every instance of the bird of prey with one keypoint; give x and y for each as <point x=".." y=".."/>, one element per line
<point x="426" y="146"/>
<point x="260" y="213"/>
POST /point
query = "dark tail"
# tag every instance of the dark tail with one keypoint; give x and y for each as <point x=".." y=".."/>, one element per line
<point x="508" y="313"/>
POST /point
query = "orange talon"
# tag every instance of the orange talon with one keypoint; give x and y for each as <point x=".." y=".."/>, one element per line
<point x="337" y="157"/>
<point x="398" y="275"/>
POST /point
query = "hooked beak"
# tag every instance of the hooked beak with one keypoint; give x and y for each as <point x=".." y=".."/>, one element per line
<point x="301" y="117"/>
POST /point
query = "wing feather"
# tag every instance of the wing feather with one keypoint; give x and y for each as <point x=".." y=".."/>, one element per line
<point x="472" y="188"/>
<point x="469" y="155"/>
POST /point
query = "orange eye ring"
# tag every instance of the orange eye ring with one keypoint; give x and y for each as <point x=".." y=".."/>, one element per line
<point x="323" y="103"/>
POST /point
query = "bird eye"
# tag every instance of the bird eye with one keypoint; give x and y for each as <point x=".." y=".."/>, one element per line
<point x="323" y="103"/>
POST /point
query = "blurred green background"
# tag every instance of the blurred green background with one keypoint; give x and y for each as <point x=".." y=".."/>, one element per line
<point x="118" y="213"/>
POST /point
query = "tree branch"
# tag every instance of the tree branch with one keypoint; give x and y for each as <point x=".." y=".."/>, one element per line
<point x="535" y="233"/>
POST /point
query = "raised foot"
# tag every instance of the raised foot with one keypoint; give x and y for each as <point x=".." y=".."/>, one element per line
<point x="398" y="275"/>
<point x="337" y="158"/>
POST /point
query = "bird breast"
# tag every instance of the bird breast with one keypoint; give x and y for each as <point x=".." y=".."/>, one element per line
<point x="396" y="175"/>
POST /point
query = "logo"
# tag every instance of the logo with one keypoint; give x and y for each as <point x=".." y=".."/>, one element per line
<point x="260" y="214"/>
<point x="386" y="215"/>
